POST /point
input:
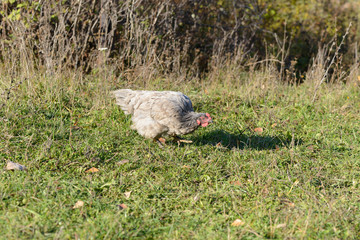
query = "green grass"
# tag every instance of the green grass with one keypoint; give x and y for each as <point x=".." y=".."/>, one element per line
<point x="299" y="178"/>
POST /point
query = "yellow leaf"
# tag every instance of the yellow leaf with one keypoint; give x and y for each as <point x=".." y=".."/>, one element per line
<point x="78" y="204"/>
<point x="122" y="206"/>
<point x="92" y="170"/>
<point x="237" y="223"/>
<point x="281" y="225"/>
<point x="259" y="130"/>
<point x="291" y="204"/>
<point x="236" y="183"/>
<point x="127" y="194"/>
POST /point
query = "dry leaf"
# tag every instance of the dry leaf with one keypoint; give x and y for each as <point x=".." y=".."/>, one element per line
<point x="14" y="166"/>
<point x="92" y="170"/>
<point x="78" y="204"/>
<point x="127" y="194"/>
<point x="122" y="206"/>
<point x="236" y="183"/>
<point x="186" y="166"/>
<point x="359" y="78"/>
<point x="122" y="162"/>
<point x="197" y="197"/>
<point x="75" y="127"/>
<point x="345" y="106"/>
<point x="281" y="225"/>
<point x="291" y="204"/>
<point x="277" y="148"/>
<point x="259" y="130"/>
<point x="237" y="223"/>
<point x="219" y="144"/>
<point x="311" y="148"/>
<point x="288" y="203"/>
<point x="274" y="125"/>
<point x="162" y="140"/>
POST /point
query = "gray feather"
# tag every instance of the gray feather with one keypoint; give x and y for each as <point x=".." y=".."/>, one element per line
<point x="155" y="113"/>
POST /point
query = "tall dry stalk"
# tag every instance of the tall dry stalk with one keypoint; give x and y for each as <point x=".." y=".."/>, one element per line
<point x="324" y="61"/>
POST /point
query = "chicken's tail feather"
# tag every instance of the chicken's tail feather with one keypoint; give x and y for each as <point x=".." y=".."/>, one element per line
<point x="123" y="99"/>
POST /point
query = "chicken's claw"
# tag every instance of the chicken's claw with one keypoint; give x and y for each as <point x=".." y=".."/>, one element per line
<point x="180" y="140"/>
<point x="185" y="141"/>
<point x="160" y="142"/>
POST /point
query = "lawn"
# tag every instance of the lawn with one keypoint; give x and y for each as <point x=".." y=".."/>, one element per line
<point x="284" y="165"/>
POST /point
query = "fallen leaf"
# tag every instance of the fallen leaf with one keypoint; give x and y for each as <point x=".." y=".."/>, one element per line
<point x="291" y="204"/>
<point x="122" y="206"/>
<point x="259" y="130"/>
<point x="219" y="144"/>
<point x="162" y="140"/>
<point x="311" y="148"/>
<point x="237" y="223"/>
<point x="122" y="162"/>
<point x="277" y="148"/>
<point x="236" y="183"/>
<point x="345" y="106"/>
<point x="92" y="170"/>
<point x="359" y="78"/>
<point x="186" y="166"/>
<point x="14" y="166"/>
<point x="197" y="197"/>
<point x="127" y="194"/>
<point x="78" y="204"/>
<point x="274" y="125"/>
<point x="281" y="225"/>
<point x="75" y="127"/>
<point x="288" y="203"/>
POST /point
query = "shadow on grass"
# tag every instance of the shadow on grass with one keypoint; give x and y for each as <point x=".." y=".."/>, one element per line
<point x="242" y="141"/>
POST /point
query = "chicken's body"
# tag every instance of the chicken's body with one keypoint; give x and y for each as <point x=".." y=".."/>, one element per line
<point x="158" y="113"/>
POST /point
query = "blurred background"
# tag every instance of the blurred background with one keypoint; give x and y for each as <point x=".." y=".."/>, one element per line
<point x="184" y="39"/>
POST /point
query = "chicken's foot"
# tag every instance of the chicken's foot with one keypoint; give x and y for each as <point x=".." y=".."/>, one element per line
<point x="180" y="140"/>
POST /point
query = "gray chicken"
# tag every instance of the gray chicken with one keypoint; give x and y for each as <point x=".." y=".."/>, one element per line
<point x="158" y="113"/>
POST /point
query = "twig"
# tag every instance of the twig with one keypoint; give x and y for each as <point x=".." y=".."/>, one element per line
<point x="265" y="60"/>
<point x="331" y="63"/>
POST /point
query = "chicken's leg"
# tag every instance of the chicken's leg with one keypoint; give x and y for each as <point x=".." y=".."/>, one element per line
<point x="180" y="140"/>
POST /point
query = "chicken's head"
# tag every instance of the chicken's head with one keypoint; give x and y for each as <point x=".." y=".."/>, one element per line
<point x="204" y="120"/>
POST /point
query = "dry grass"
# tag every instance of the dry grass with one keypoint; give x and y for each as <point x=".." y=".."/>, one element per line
<point x="296" y="178"/>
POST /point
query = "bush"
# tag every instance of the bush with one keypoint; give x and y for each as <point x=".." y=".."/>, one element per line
<point x="146" y="38"/>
